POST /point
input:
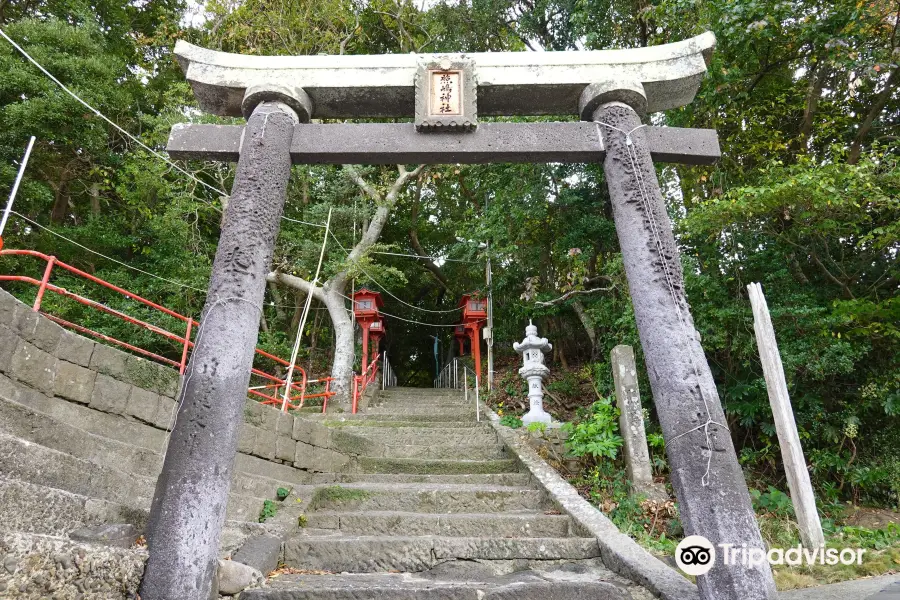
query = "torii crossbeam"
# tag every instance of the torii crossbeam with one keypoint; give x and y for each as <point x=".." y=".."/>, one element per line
<point x="606" y="91"/>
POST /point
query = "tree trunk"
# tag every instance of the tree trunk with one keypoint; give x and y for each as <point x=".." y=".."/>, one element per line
<point x="95" y="199"/>
<point x="578" y="307"/>
<point x="342" y="367"/>
<point x="877" y="107"/>
<point x="313" y="340"/>
<point x="191" y="495"/>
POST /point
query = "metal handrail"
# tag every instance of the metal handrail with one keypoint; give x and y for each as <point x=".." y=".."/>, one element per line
<point x="388" y="379"/>
<point x="449" y="378"/>
<point x="466" y="371"/>
<point x="184" y="341"/>
<point x="362" y="381"/>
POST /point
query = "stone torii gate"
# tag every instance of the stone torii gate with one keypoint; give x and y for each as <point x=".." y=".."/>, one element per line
<point x="608" y="91"/>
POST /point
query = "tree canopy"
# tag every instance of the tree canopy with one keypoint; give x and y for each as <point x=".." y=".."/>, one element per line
<point x="806" y="199"/>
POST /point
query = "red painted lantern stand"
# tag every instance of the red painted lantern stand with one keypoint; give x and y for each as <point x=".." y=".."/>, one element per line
<point x="376" y="330"/>
<point x="474" y="314"/>
<point x="365" y="307"/>
<point x="460" y="334"/>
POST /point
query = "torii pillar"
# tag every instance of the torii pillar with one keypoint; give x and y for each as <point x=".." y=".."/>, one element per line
<point x="188" y="508"/>
<point x="713" y="499"/>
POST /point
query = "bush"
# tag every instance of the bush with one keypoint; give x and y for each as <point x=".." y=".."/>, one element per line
<point x="511" y="421"/>
<point x="597" y="434"/>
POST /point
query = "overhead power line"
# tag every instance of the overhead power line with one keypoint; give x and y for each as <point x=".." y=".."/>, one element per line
<point x="100" y="254"/>
<point x="387" y="291"/>
<point x="124" y="132"/>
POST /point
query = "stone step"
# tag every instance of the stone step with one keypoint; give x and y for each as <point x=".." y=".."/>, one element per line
<point x="426" y="498"/>
<point x="428" y="392"/>
<point x="410" y="400"/>
<point x="23" y="422"/>
<point x="426" y="435"/>
<point x="32" y="508"/>
<point x="371" y="554"/>
<point x="459" y="413"/>
<point x="436" y="466"/>
<point x="447" y="450"/>
<point x="361" y="420"/>
<point x="529" y="585"/>
<point x="514" y="479"/>
<point x="33" y="463"/>
<point x="450" y="525"/>
<point x="395" y="416"/>
<point x="411" y="408"/>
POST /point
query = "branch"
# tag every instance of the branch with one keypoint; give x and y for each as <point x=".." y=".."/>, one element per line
<point x="343" y="46"/>
<point x="838" y="282"/>
<point x="296" y="283"/>
<point x="877" y="107"/>
<point x="417" y="246"/>
<point x="356" y="178"/>
<point x="404" y="177"/>
<point x="568" y="295"/>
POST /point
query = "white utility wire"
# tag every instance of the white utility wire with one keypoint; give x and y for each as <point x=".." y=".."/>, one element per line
<point x="15" y="187"/>
<point x="386" y="314"/>
<point x="426" y="257"/>
<point x="309" y="296"/>
<point x="126" y="133"/>
<point x="104" y="117"/>
<point x="386" y="291"/>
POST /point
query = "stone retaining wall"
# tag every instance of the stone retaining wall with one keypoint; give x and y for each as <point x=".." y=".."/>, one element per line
<point x="41" y="355"/>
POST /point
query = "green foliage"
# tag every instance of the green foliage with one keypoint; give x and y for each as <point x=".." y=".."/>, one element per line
<point x="596" y="434"/>
<point x="282" y="493"/>
<point x="772" y="501"/>
<point x="511" y="421"/>
<point x="269" y="508"/>
<point x="536" y="427"/>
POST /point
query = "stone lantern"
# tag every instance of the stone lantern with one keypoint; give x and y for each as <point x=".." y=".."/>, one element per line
<point x="532" y="350"/>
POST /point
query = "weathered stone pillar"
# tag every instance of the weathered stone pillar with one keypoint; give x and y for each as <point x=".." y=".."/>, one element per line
<point x="708" y="481"/>
<point x="631" y="424"/>
<point x="192" y="491"/>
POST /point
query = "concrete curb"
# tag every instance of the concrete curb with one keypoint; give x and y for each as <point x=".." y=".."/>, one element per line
<point x="620" y="553"/>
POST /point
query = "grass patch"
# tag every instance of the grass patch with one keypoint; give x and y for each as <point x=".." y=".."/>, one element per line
<point x="336" y="493"/>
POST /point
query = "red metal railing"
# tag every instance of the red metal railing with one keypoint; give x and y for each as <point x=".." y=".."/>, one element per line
<point x="298" y="392"/>
<point x="361" y="382"/>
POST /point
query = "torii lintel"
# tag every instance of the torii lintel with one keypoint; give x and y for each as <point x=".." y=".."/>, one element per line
<point x="508" y="83"/>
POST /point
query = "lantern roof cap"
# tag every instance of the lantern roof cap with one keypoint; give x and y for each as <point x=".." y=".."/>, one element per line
<point x="361" y="292"/>
<point x="469" y="296"/>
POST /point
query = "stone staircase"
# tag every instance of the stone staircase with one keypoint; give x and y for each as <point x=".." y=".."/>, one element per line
<point x="409" y="498"/>
<point x="442" y="512"/>
<point x="82" y="427"/>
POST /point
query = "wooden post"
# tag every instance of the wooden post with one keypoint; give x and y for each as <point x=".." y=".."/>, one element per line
<point x="791" y="451"/>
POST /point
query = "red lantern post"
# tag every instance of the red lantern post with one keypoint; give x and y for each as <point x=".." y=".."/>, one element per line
<point x="474" y="314"/>
<point x="365" y="307"/>
<point x="460" y="334"/>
